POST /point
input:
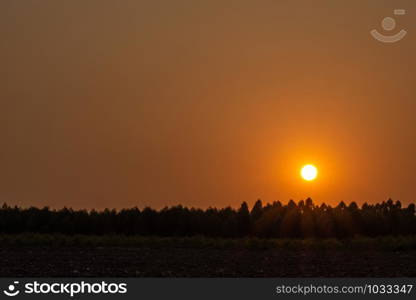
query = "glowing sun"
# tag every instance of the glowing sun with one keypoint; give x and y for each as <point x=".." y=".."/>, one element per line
<point x="309" y="172"/>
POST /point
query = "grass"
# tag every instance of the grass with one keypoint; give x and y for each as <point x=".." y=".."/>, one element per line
<point x="387" y="243"/>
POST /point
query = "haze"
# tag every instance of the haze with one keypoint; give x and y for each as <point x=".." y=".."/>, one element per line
<point x="204" y="103"/>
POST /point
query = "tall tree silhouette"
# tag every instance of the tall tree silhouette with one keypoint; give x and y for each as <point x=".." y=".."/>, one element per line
<point x="275" y="220"/>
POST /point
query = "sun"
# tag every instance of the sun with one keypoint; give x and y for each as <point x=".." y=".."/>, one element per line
<point x="309" y="172"/>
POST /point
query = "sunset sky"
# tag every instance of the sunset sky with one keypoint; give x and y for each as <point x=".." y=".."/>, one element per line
<point x="204" y="103"/>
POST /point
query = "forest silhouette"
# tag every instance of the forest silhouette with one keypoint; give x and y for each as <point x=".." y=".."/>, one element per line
<point x="275" y="220"/>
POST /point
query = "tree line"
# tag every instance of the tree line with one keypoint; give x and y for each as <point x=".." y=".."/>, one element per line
<point x="274" y="220"/>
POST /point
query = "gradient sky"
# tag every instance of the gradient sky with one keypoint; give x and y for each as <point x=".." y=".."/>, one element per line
<point x="204" y="103"/>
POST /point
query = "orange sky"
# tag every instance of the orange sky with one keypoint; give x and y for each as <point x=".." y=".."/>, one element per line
<point x="204" y="103"/>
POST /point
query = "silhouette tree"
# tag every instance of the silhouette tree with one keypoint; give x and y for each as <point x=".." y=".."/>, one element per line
<point x="302" y="220"/>
<point x="244" y="221"/>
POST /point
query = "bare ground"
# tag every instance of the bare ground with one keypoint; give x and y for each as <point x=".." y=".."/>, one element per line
<point x="193" y="262"/>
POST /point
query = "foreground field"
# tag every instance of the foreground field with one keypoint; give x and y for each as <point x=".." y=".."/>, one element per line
<point x="45" y="255"/>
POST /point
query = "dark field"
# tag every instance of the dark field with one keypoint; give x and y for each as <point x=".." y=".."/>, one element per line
<point x="45" y="255"/>
<point x="182" y="262"/>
